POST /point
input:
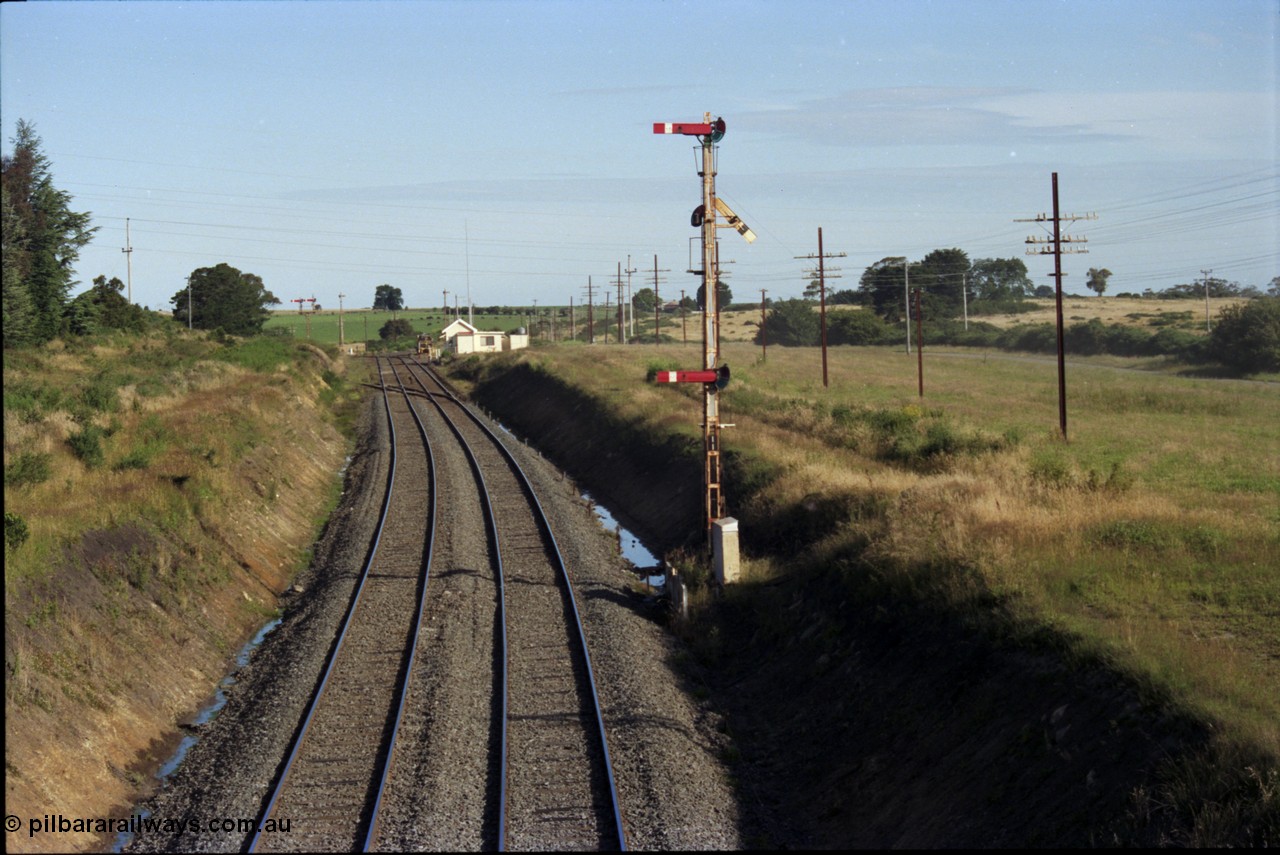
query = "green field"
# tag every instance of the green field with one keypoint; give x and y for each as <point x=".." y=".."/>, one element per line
<point x="363" y="325"/>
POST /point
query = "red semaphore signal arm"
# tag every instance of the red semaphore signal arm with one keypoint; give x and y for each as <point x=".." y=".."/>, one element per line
<point x="685" y="377"/>
<point x="695" y="129"/>
<point x="717" y="376"/>
<point x="691" y="129"/>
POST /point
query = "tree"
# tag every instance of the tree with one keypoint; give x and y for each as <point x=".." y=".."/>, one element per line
<point x="1246" y="336"/>
<point x="19" y="311"/>
<point x="42" y="240"/>
<point x="791" y="322"/>
<point x="813" y="287"/>
<point x="942" y="275"/>
<point x="396" y="328"/>
<point x="998" y="279"/>
<point x="104" y="307"/>
<point x="723" y="295"/>
<point x="882" y="286"/>
<point x="388" y="299"/>
<point x="643" y="300"/>
<point x="223" y="298"/>
<point x="1097" y="280"/>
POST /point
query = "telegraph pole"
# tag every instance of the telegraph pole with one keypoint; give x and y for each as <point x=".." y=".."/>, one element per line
<point x="822" y="294"/>
<point x="340" y="330"/>
<point x="1057" y="240"/>
<point x="684" y="327"/>
<point x="622" y="313"/>
<point x="591" y="321"/>
<point x="1206" y="273"/>
<point x="128" y="258"/>
<point x="920" y="342"/>
<point x="764" y="329"/>
<point x="631" y="309"/>
<point x="906" y="290"/>
<point x="657" y="303"/>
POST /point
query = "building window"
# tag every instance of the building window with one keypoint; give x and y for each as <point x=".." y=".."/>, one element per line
<point x="489" y="340"/>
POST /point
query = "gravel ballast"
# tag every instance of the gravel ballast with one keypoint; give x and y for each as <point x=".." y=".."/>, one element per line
<point x="666" y="747"/>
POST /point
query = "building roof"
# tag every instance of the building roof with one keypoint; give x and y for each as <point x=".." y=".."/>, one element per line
<point x="457" y="327"/>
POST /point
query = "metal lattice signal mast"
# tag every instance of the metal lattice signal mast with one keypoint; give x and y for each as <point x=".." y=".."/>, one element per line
<point x="1053" y="246"/>
<point x="709" y="133"/>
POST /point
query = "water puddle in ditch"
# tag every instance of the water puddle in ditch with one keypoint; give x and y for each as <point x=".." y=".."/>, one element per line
<point x="206" y="715"/>
<point x="632" y="548"/>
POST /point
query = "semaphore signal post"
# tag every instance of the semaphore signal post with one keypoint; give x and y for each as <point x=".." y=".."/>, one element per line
<point x="713" y="375"/>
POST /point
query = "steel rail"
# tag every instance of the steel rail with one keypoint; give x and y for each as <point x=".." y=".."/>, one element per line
<point x="352" y="608"/>
<point x="567" y="580"/>
<point x="417" y="621"/>
<point x="491" y="528"/>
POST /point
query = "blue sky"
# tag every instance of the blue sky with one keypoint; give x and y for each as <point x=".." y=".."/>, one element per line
<point x="507" y="147"/>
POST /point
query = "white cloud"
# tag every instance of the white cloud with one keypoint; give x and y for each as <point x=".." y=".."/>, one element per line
<point x="1166" y="124"/>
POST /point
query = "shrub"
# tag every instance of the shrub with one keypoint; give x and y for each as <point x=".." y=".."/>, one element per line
<point x="1247" y="336"/>
<point x="102" y="394"/>
<point x="861" y="328"/>
<point x="87" y="445"/>
<point x="15" y="531"/>
<point x="30" y="467"/>
<point x="791" y="322"/>
<point x="398" y="328"/>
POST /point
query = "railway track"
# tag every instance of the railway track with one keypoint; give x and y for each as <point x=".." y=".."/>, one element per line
<point x="557" y="788"/>
<point x="334" y="776"/>
<point x="548" y="781"/>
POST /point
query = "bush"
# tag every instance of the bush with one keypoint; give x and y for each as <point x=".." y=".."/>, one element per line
<point x="860" y="327"/>
<point x="791" y="322"/>
<point x="30" y="467"/>
<point x="398" y="328"/>
<point x="1246" y="337"/>
<point x="87" y="445"/>
<point x="15" y="531"/>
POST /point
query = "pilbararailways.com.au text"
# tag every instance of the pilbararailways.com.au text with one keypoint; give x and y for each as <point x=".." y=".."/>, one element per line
<point x="139" y="825"/>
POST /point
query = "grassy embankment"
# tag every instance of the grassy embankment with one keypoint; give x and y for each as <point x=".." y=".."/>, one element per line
<point x="160" y="490"/>
<point x="1147" y="545"/>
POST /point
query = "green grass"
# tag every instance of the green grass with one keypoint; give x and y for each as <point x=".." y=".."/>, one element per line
<point x="363" y="325"/>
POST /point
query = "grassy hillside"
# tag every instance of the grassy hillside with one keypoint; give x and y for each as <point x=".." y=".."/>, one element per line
<point x="1145" y="547"/>
<point x="160" y="490"/>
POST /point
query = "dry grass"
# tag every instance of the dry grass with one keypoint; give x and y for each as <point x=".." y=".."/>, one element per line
<point x="1151" y="535"/>
<point x="206" y="496"/>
